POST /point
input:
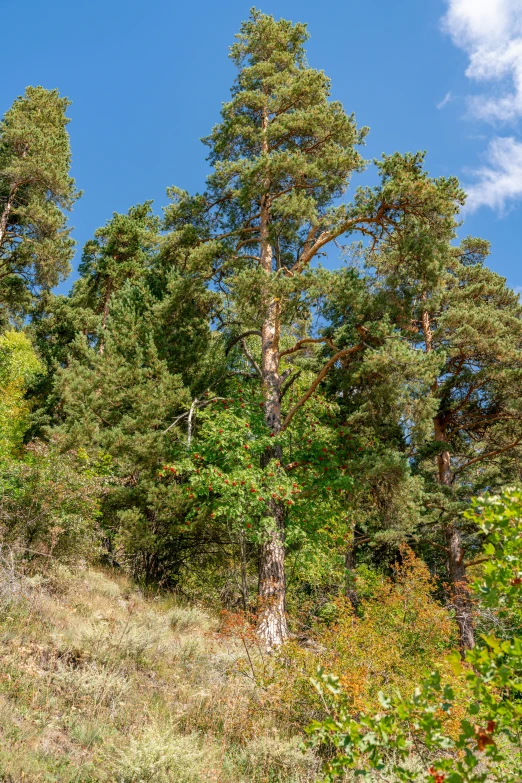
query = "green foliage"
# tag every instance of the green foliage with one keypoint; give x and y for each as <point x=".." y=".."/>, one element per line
<point x="121" y="250"/>
<point x="49" y="506"/>
<point x="487" y="743"/>
<point x="19" y="366"/>
<point x="119" y="405"/>
<point x="35" y="188"/>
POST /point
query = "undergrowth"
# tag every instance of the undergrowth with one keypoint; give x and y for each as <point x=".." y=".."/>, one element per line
<point x="99" y="683"/>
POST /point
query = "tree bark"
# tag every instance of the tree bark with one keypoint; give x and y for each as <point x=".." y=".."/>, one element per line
<point x="4" y="217"/>
<point x="455" y="554"/>
<point x="272" y="626"/>
<point x="459" y="584"/>
<point x="455" y="557"/>
<point x="350" y="590"/>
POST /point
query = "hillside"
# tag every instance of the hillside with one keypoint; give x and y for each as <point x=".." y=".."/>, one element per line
<point x="100" y="683"/>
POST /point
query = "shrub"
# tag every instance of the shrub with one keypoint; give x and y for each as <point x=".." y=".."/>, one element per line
<point x="49" y="506"/>
<point x="485" y="744"/>
<point x="163" y="757"/>
<point x="402" y="632"/>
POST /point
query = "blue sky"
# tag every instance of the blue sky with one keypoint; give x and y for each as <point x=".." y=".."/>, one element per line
<point x="147" y="81"/>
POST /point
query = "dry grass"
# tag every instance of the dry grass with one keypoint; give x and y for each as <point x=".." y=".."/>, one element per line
<point x="99" y="684"/>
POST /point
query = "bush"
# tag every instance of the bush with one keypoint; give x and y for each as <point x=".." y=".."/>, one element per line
<point x="402" y="631"/>
<point x="49" y="506"/>
<point x="482" y="745"/>
<point x="163" y="757"/>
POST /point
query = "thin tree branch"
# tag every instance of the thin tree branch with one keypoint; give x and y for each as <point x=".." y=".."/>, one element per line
<point x="486" y="455"/>
<point x="330" y="363"/>
<point x="301" y="343"/>
<point x="289" y="383"/>
<point x="477" y="562"/>
<point x="241" y="337"/>
<point x="251" y="359"/>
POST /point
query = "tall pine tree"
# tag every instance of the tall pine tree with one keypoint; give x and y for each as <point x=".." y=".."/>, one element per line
<point x="282" y="156"/>
<point x="35" y="189"/>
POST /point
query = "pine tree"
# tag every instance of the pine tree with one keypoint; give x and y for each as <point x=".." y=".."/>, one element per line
<point x="121" y="250"/>
<point x="118" y="406"/>
<point x="35" y="189"/>
<point x="448" y="304"/>
<point x="282" y="157"/>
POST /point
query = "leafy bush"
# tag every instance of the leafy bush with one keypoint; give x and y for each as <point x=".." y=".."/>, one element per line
<point x="486" y="744"/>
<point x="19" y="365"/>
<point x="401" y="633"/>
<point x="49" y="505"/>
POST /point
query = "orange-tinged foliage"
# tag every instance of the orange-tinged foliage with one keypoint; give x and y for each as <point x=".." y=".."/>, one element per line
<point x="403" y="633"/>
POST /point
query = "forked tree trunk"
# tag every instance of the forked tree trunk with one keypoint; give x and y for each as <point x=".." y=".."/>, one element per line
<point x="272" y="627"/>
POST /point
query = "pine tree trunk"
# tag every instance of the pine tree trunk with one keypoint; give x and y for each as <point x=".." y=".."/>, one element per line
<point x="272" y="627"/>
<point x="455" y="556"/>
<point x="244" y="575"/>
<point x="349" y="562"/>
<point x="4" y="217"/>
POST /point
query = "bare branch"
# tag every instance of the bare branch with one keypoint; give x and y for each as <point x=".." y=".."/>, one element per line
<point x="241" y="337"/>
<point x="289" y="383"/>
<point x="330" y="363"/>
<point x="301" y="343"/>
<point x="493" y="453"/>
<point x="251" y="359"/>
<point x="477" y="562"/>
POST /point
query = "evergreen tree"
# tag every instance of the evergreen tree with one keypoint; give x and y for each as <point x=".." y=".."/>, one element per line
<point x="282" y="156"/>
<point x="35" y="189"/>
<point x="448" y="304"/>
<point x="119" y="406"/>
<point x="121" y="250"/>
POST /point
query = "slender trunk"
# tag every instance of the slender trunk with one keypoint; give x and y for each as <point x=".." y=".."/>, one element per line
<point x="272" y="627"/>
<point x="455" y="554"/>
<point x="459" y="583"/>
<point x="4" y="217"/>
<point x="105" y="314"/>
<point x="243" y="564"/>
<point x="455" y="557"/>
<point x="350" y="590"/>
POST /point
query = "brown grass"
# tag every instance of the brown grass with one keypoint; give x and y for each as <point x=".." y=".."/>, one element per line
<point x="99" y="683"/>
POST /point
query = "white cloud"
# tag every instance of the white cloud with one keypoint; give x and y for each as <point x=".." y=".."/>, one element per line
<point x="447" y="98"/>
<point x="490" y="31"/>
<point x="499" y="181"/>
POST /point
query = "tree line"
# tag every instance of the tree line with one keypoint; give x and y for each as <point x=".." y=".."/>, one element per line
<point x="213" y="398"/>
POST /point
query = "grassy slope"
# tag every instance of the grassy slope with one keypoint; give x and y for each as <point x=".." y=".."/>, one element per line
<point x="99" y="683"/>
